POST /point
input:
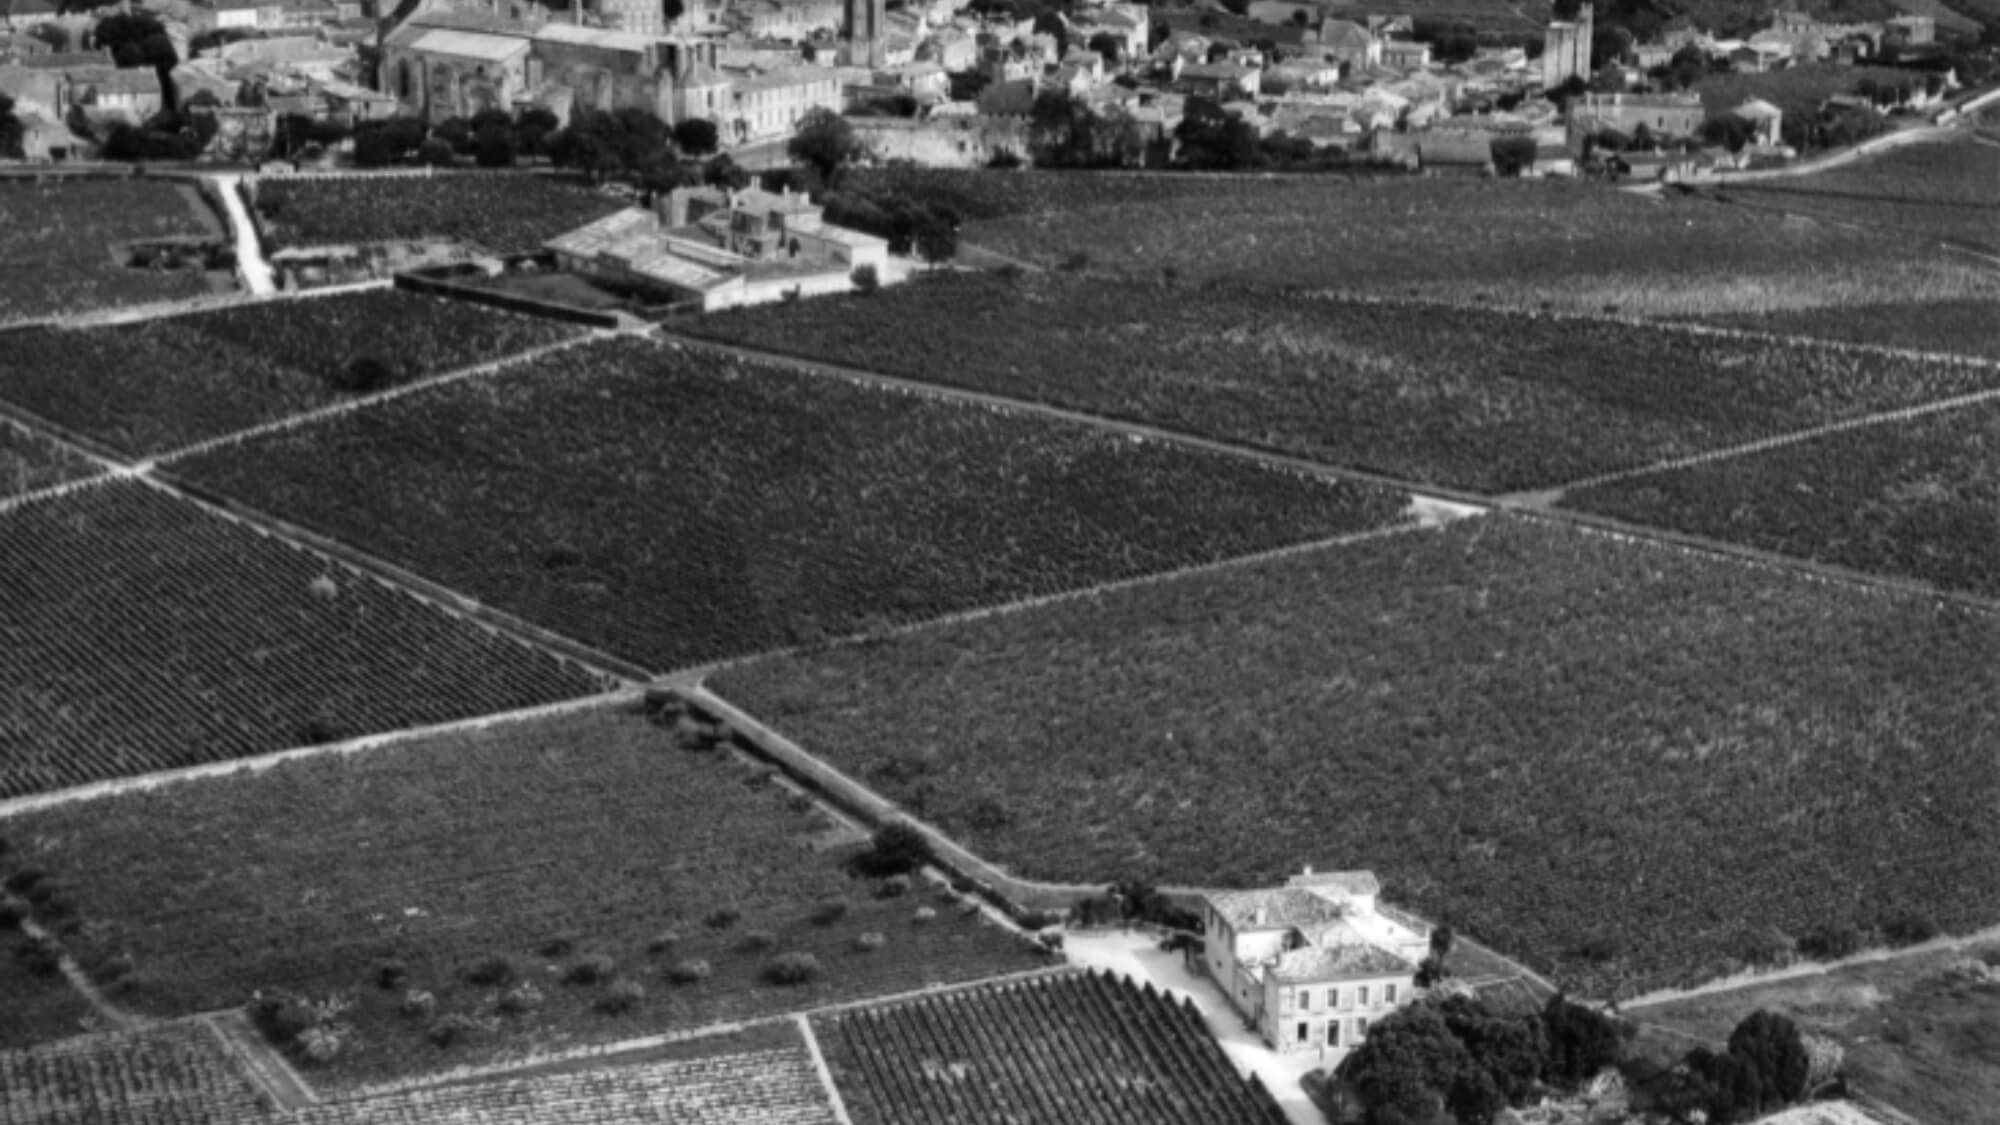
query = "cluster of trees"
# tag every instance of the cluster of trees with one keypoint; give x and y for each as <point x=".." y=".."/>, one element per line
<point x="931" y="230"/>
<point x="12" y="132"/>
<point x="1456" y="1059"/>
<point x="1064" y="132"/>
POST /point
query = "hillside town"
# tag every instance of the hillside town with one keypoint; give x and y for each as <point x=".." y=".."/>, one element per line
<point x="1279" y="83"/>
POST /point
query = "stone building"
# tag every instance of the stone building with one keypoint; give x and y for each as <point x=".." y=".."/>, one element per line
<point x="1566" y="49"/>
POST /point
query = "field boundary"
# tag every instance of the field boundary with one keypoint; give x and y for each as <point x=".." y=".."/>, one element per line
<point x="261" y="1065"/>
<point x="824" y="1071"/>
<point x="33" y="802"/>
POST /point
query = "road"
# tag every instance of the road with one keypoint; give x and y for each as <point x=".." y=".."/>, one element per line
<point x="250" y="263"/>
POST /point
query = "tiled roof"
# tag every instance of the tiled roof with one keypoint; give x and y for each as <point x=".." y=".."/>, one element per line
<point x="1756" y="109"/>
<point x="1345" y="33"/>
<point x="470" y="45"/>
<point x="1353" y="882"/>
<point x="1282" y="908"/>
<point x="594" y="37"/>
<point x="1337" y="962"/>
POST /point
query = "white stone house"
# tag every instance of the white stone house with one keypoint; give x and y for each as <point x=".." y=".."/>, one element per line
<point x="1313" y="963"/>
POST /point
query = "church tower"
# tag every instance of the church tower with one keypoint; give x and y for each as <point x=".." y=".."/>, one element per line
<point x="1566" y="49"/>
<point x="863" y="30"/>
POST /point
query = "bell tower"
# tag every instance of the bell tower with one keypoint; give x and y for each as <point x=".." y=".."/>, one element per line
<point x="863" y="31"/>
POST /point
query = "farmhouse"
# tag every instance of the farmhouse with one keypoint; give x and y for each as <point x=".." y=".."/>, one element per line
<point x="721" y="248"/>
<point x="1314" y="962"/>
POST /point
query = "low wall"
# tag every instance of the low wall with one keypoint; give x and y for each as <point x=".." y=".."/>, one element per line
<point x="943" y="142"/>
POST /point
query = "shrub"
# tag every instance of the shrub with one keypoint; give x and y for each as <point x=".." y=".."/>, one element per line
<point x="663" y="942"/>
<point x="561" y="945"/>
<point x="21" y="881"/>
<point x="923" y="915"/>
<point x="756" y="941"/>
<point x="520" y="999"/>
<point x="455" y="1027"/>
<point x="624" y="996"/>
<point x="792" y="969"/>
<point x="592" y="968"/>
<point x="722" y="919"/>
<point x="870" y="942"/>
<point x="1051" y="941"/>
<point x="1908" y="928"/>
<point x="495" y="970"/>
<point x="1830" y="942"/>
<point x="866" y="280"/>
<point x="12" y="911"/>
<point x="116" y="967"/>
<point x="899" y="848"/>
<point x="689" y="972"/>
<point x="895" y="886"/>
<point x="361" y="375"/>
<point x="391" y="975"/>
<point x="319" y="1045"/>
<point x="827" y="913"/>
<point x="419" y="1004"/>
<point x="40" y="957"/>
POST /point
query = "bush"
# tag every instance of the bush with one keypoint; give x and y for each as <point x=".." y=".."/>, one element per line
<point x="391" y="975"/>
<point x="1051" y="941"/>
<point x="663" y="942"/>
<point x="689" y="972"/>
<point x="20" y="882"/>
<point x="592" y="968"/>
<point x="495" y="970"/>
<point x="895" y="886"/>
<point x="1830" y="943"/>
<point x="722" y="919"/>
<point x="1908" y="928"/>
<point x="898" y="849"/>
<point x="870" y="942"/>
<point x="561" y="945"/>
<point x="455" y="1027"/>
<point x="319" y="1045"/>
<point x="923" y="915"/>
<point x="827" y="913"/>
<point x="520" y="999"/>
<point x="12" y="911"/>
<point x="361" y="375"/>
<point x="40" y="957"/>
<point x="116" y="967"/>
<point x="792" y="969"/>
<point x="419" y="1004"/>
<point x="756" y="941"/>
<point x="866" y="280"/>
<point x="624" y="996"/>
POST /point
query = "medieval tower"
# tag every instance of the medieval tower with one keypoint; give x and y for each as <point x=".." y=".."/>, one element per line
<point x="863" y="30"/>
<point x="1566" y="50"/>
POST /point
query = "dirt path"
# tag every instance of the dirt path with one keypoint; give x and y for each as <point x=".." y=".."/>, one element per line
<point x="251" y="267"/>
<point x="1988" y="936"/>
<point x="825" y="1072"/>
<point x="262" y="1064"/>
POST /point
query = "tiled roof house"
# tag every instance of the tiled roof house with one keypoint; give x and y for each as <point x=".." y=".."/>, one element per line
<point x="1313" y="962"/>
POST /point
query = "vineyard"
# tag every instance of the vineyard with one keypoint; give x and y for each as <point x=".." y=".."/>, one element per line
<point x="1960" y="327"/>
<point x="1480" y="399"/>
<point x="1939" y="190"/>
<point x="29" y="461"/>
<point x="1522" y="243"/>
<point x="1076" y="1049"/>
<point x="142" y="634"/>
<point x="976" y="195"/>
<point x="166" y="1076"/>
<point x="1617" y="761"/>
<point x="578" y="856"/>
<point x="673" y="505"/>
<point x="1917" y="499"/>
<point x="154" y="386"/>
<point x="499" y="213"/>
<point x="40" y="1005"/>
<point x="764" y="1088"/>
<point x="59" y="242"/>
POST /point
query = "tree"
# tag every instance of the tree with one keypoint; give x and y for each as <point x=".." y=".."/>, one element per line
<point x="1405" y="1067"/>
<point x="379" y="143"/>
<point x="12" y="132"/>
<point x="1582" y="1041"/>
<point x="55" y="35"/>
<point x="825" y="141"/>
<point x="671" y="10"/>
<point x="1110" y="46"/>
<point x="493" y="146"/>
<point x="1511" y="1051"/>
<point x="533" y="128"/>
<point x="456" y="132"/>
<point x="1771" y="1044"/>
<point x="722" y="171"/>
<point x="697" y="136"/>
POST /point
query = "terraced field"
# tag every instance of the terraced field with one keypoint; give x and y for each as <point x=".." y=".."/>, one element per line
<point x="138" y="633"/>
<point x="673" y="505"/>
<point x="1078" y="1047"/>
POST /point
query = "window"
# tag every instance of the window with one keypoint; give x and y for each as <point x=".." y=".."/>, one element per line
<point x="1360" y="1028"/>
<point x="1333" y="997"/>
<point x="1305" y="1031"/>
<point x="1388" y="994"/>
<point x="1361" y="996"/>
<point x="1305" y="999"/>
<point x="1333" y="1033"/>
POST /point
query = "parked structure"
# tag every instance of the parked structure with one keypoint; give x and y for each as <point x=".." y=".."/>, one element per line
<point x="1313" y="963"/>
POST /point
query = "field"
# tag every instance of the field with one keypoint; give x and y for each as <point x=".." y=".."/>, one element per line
<point x="765" y="1087"/>
<point x="1920" y="1032"/>
<point x="499" y="213"/>
<point x="1962" y="327"/>
<point x="1797" y="90"/>
<point x="1948" y="191"/>
<point x="29" y="461"/>
<point x="1479" y="399"/>
<point x="977" y="195"/>
<point x="40" y="1006"/>
<point x="158" y="385"/>
<point x="1526" y="243"/>
<point x="58" y="243"/>
<point x="142" y="634"/>
<point x="542" y="843"/>
<point x="672" y="505"/>
<point x="168" y="1075"/>
<point x="1918" y="499"/>
<point x="1071" y="1048"/>
<point x="1607" y="758"/>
